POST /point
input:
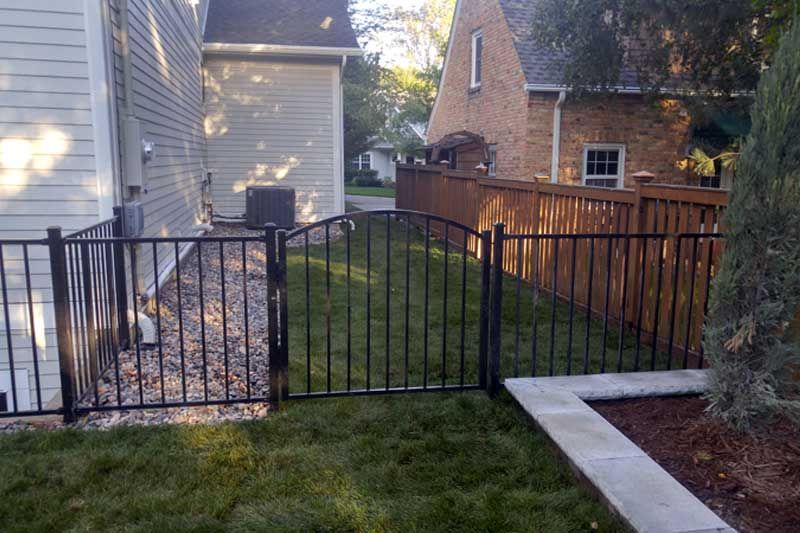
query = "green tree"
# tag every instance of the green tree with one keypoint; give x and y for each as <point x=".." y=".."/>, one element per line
<point x="756" y="295"/>
<point x="366" y="104"/>
<point x="719" y="47"/>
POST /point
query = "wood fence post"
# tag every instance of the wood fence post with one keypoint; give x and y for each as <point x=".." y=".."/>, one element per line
<point x="536" y="210"/>
<point x="637" y="225"/>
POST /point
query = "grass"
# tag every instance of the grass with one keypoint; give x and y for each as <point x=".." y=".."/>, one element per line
<point x="434" y="353"/>
<point x="436" y="462"/>
<point x="381" y="192"/>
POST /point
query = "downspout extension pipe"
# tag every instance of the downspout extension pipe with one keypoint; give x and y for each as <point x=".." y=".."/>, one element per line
<point x="554" y="161"/>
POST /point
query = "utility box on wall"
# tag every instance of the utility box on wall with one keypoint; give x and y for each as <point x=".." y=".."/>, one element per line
<point x="134" y="219"/>
<point x="267" y="204"/>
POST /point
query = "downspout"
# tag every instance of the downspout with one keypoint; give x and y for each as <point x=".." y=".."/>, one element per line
<point x="562" y="96"/>
<point x="127" y="83"/>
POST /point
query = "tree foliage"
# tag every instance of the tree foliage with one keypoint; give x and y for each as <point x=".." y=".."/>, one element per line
<point x="712" y="48"/>
<point x="366" y="104"/>
<point x="406" y="89"/>
<point x="756" y="295"/>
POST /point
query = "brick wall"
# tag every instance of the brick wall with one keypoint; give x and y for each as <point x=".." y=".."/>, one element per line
<point x="496" y="111"/>
<point x="521" y="125"/>
<point x="655" y="135"/>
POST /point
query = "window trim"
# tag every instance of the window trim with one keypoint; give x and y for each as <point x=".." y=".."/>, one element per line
<point x="473" y="82"/>
<point x="620" y="177"/>
<point x="358" y="162"/>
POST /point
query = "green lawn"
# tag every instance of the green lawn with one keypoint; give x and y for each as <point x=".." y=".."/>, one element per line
<point x="382" y="192"/>
<point x="437" y="462"/>
<point x="443" y="359"/>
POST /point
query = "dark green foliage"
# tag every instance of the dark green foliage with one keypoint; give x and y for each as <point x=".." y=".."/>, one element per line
<point x="455" y="462"/>
<point x="366" y="104"/>
<point x="362" y="177"/>
<point x="756" y="295"/>
<point x="720" y="46"/>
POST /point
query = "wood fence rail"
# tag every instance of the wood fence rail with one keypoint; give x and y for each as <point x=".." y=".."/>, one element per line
<point x="656" y="269"/>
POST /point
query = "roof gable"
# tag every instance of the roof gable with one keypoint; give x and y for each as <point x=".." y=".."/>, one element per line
<point x="542" y="66"/>
<point x="315" y="23"/>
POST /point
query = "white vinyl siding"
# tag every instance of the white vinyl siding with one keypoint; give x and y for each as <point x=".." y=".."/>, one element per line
<point x="48" y="172"/>
<point x="166" y="55"/>
<point x="273" y="123"/>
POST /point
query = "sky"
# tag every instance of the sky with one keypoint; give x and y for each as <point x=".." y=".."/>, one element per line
<point x="390" y="55"/>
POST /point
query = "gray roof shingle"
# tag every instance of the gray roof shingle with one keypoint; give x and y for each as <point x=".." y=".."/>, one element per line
<point x="542" y="66"/>
<point x="323" y="23"/>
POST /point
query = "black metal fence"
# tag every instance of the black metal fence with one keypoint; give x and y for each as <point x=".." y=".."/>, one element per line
<point x="364" y="303"/>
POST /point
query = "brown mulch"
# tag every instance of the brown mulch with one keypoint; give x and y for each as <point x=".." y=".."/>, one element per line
<point x="752" y="481"/>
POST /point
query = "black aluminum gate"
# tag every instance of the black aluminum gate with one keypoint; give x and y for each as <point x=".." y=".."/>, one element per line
<point x="389" y="301"/>
<point x="364" y="303"/>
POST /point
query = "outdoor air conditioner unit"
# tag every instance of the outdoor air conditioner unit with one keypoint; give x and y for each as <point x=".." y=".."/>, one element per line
<point x="270" y="204"/>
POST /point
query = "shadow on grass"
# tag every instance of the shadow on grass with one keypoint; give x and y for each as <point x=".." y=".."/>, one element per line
<point x="438" y="462"/>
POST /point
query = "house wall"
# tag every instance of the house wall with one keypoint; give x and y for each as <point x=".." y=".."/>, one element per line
<point x="497" y="110"/>
<point x="274" y="122"/>
<point x="51" y="164"/>
<point x="382" y="162"/>
<point x="655" y="135"/>
<point x="521" y="124"/>
<point x="166" y="56"/>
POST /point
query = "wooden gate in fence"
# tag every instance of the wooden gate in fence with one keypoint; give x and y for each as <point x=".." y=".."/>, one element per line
<point x="677" y="267"/>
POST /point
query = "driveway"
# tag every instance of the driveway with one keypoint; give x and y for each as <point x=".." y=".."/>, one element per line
<point x="369" y="203"/>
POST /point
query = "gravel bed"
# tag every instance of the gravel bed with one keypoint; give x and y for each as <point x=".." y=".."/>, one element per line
<point x="181" y="361"/>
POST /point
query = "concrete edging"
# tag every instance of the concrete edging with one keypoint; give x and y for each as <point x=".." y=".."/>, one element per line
<point x="635" y="487"/>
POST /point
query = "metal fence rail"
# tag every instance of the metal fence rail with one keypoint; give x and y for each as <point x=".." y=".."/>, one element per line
<point x="23" y="293"/>
<point x="628" y="302"/>
<point x="364" y="303"/>
<point x="392" y="279"/>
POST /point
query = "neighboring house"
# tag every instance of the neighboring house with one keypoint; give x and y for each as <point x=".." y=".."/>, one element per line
<point x="499" y="85"/>
<point x="83" y="83"/>
<point x="383" y="157"/>
<point x="274" y="100"/>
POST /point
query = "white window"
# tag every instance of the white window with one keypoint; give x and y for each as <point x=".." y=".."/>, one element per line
<point x="493" y="160"/>
<point x="477" y="59"/>
<point x="604" y="165"/>
<point x="362" y="162"/>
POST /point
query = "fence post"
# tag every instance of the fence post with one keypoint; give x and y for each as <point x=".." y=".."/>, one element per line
<point x="272" y="314"/>
<point x="66" y="358"/>
<point x="638" y="225"/>
<point x="486" y="281"/>
<point x="120" y="283"/>
<point x="497" y="309"/>
<point x="284" y="315"/>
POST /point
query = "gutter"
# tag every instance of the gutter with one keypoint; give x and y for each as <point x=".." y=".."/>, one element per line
<point x="279" y="49"/>
<point x="554" y="160"/>
<point x="547" y="88"/>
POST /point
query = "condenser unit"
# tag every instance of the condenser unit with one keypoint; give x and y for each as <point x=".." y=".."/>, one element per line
<point x="270" y="205"/>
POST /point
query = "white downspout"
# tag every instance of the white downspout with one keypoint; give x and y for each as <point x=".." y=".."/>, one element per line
<point x="562" y="95"/>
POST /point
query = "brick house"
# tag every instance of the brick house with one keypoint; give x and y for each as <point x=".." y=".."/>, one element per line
<point x="499" y="85"/>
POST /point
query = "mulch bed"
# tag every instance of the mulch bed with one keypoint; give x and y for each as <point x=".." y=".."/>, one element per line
<point x="752" y="481"/>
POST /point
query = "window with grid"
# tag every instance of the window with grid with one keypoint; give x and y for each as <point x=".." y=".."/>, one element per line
<point x="603" y="166"/>
<point x="362" y="162"/>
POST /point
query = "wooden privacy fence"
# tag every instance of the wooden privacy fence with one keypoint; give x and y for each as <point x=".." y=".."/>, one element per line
<point x="644" y="276"/>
